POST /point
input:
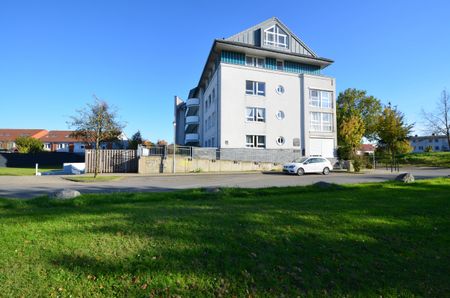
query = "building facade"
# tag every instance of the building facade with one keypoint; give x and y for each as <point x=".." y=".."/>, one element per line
<point x="261" y="89"/>
<point x="436" y="143"/>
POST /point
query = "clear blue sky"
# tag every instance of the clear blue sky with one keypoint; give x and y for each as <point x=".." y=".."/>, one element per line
<point x="138" y="54"/>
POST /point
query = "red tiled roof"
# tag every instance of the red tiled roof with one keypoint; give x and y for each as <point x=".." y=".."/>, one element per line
<point x="59" y="136"/>
<point x="12" y="134"/>
<point x="367" y="147"/>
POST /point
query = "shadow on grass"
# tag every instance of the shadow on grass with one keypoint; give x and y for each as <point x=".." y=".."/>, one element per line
<point x="372" y="239"/>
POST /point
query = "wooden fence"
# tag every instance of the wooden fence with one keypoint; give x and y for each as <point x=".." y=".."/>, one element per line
<point x="112" y="161"/>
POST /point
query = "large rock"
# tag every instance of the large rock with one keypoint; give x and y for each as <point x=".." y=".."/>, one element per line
<point x="405" y="177"/>
<point x="66" y="194"/>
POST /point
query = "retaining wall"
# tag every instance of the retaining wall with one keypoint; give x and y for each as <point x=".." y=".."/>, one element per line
<point x="155" y="164"/>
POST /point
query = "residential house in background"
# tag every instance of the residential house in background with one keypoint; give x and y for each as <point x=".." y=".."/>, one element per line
<point x="8" y="136"/>
<point x="55" y="140"/>
<point x="366" y="149"/>
<point x="261" y="89"/>
<point x="436" y="142"/>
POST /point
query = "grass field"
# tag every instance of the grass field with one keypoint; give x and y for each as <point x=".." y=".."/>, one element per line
<point x="367" y="240"/>
<point x="434" y="159"/>
<point x="22" y="171"/>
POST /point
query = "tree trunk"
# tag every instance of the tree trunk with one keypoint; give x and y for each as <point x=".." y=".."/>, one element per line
<point x="97" y="155"/>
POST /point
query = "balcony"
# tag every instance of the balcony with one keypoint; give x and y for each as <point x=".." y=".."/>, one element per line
<point x="191" y="138"/>
<point x="192" y="120"/>
<point x="192" y="102"/>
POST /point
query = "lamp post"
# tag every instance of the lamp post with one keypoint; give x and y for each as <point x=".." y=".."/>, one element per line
<point x="174" y="143"/>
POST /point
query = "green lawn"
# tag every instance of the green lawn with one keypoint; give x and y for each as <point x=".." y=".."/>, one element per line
<point x="434" y="159"/>
<point x="367" y="240"/>
<point x="22" y="171"/>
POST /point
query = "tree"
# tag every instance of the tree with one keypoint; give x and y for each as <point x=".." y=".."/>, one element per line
<point x="357" y="102"/>
<point x="136" y="140"/>
<point x="161" y="143"/>
<point x="28" y="145"/>
<point x="438" y="122"/>
<point x="95" y="124"/>
<point x="351" y="131"/>
<point x="393" y="131"/>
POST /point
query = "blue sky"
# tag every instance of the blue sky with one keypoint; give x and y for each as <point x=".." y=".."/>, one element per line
<point x="138" y="54"/>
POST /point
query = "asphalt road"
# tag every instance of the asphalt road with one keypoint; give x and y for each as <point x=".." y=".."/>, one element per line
<point x="32" y="186"/>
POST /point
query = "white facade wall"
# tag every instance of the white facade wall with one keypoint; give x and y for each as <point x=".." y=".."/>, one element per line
<point x="209" y="130"/>
<point x="437" y="143"/>
<point x="294" y="103"/>
<point x="234" y="102"/>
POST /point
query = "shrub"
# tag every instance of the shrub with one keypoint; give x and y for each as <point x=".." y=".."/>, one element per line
<point x="357" y="164"/>
<point x="28" y="145"/>
<point x="428" y="149"/>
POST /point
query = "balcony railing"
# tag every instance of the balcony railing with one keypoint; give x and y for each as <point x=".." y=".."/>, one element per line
<point x="192" y="120"/>
<point x="192" y="102"/>
<point x="191" y="137"/>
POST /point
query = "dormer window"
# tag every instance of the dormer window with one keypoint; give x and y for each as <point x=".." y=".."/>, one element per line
<point x="275" y="36"/>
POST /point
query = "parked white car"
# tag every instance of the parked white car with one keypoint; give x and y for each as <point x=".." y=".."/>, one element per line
<point x="308" y="165"/>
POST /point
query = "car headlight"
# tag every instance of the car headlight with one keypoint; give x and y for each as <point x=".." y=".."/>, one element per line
<point x="291" y="167"/>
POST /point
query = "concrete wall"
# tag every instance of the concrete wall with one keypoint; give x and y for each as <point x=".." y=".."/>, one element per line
<point x="155" y="164"/>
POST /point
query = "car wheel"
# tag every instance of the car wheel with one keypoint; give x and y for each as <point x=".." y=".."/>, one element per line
<point x="326" y="171"/>
<point x="300" y="171"/>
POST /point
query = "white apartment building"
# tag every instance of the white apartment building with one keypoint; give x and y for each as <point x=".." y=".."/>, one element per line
<point x="261" y="89"/>
<point x="436" y="142"/>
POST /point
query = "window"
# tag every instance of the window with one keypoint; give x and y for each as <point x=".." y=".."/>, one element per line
<point x="206" y="124"/>
<point x="255" y="114"/>
<point x="253" y="141"/>
<point x="279" y="65"/>
<point x="213" y="142"/>
<point x="314" y="98"/>
<point x="275" y="36"/>
<point x="321" y="122"/>
<point x="47" y="145"/>
<point x="254" y="61"/>
<point x="213" y="118"/>
<point x="280" y="141"/>
<point x="436" y="148"/>
<point x="325" y="99"/>
<point x="209" y="100"/>
<point x="206" y="105"/>
<point x="320" y="99"/>
<point x="280" y="115"/>
<point x="326" y="122"/>
<point x="315" y="121"/>
<point x="280" y="89"/>
<point x="255" y="88"/>
<point x="214" y="94"/>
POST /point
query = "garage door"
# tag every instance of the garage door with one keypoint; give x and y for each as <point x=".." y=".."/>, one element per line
<point x="321" y="147"/>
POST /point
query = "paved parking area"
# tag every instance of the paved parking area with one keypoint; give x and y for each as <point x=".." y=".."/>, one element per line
<point x="32" y="186"/>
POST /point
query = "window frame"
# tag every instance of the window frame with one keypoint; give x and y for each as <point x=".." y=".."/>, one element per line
<point x="252" y="114"/>
<point x="256" y="141"/>
<point x="319" y="125"/>
<point x="276" y="33"/>
<point x="255" y="88"/>
<point x="255" y="61"/>
<point x="318" y="102"/>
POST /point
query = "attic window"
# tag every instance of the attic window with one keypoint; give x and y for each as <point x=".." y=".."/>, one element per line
<point x="275" y="36"/>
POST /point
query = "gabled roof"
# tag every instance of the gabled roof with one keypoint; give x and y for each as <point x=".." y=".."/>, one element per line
<point x="59" y="136"/>
<point x="298" y="46"/>
<point x="12" y="134"/>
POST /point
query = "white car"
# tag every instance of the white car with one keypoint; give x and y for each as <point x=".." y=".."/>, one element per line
<point x="308" y="165"/>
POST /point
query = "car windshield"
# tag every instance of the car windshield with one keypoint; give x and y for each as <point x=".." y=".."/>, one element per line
<point x="300" y="160"/>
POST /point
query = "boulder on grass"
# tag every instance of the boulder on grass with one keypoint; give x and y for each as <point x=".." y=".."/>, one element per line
<point x="66" y="194"/>
<point x="405" y="177"/>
